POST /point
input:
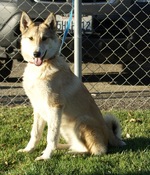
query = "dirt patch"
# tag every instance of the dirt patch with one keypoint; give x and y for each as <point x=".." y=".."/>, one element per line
<point x="110" y="88"/>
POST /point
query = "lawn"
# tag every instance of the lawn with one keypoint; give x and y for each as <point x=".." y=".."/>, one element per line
<point x="132" y="159"/>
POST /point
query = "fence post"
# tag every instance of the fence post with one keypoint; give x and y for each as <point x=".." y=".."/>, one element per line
<point x="77" y="39"/>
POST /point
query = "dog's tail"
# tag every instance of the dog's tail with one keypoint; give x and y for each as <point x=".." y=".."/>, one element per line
<point x="114" y="131"/>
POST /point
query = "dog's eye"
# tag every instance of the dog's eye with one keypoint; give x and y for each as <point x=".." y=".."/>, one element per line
<point x="44" y="38"/>
<point x="31" y="38"/>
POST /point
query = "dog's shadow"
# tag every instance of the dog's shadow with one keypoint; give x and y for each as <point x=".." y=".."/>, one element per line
<point x="132" y="144"/>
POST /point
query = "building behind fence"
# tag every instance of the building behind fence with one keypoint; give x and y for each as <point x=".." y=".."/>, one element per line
<point x="115" y="49"/>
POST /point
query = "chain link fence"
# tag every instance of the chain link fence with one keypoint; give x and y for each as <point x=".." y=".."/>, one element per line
<point x="115" y="49"/>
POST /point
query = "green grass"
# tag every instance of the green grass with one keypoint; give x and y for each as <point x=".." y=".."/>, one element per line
<point x="133" y="159"/>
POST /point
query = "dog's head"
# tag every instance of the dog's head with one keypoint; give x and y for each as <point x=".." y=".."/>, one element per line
<point x="39" y="41"/>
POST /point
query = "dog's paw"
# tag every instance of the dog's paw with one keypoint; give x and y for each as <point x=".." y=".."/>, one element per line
<point x="25" y="150"/>
<point x="22" y="151"/>
<point x="42" y="158"/>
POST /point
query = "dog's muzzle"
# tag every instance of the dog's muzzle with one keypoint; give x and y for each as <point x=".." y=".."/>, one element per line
<point x="38" y="60"/>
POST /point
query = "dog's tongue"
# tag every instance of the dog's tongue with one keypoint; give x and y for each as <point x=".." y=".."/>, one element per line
<point x="38" y="61"/>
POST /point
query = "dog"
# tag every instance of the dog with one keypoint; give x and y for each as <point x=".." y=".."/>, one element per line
<point x="59" y="99"/>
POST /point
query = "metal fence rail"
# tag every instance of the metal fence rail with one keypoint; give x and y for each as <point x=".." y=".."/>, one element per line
<point x="115" y="49"/>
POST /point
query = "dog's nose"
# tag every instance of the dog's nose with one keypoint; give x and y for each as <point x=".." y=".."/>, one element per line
<point x="37" y="54"/>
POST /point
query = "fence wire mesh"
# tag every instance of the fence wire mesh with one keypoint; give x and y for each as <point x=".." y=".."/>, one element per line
<point x="115" y="49"/>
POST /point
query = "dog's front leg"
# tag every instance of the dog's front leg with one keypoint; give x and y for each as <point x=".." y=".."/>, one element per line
<point x="53" y="122"/>
<point x="36" y="133"/>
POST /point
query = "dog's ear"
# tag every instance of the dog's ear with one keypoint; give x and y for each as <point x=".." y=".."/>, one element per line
<point x="25" y="22"/>
<point x="51" y="22"/>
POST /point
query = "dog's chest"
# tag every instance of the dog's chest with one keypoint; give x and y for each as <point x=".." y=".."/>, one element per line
<point x="37" y="89"/>
<point x="36" y="82"/>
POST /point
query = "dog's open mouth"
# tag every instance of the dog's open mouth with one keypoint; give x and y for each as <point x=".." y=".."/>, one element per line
<point x="39" y="60"/>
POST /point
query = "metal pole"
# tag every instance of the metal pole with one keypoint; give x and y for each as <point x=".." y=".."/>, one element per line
<point x="77" y="39"/>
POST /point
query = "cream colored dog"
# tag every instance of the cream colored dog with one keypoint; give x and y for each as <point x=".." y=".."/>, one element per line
<point x="59" y="98"/>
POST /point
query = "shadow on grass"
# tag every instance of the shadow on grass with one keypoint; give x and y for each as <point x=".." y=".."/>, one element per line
<point x="133" y="144"/>
<point x="139" y="143"/>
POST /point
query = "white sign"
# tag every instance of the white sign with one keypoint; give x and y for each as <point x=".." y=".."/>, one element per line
<point x="63" y="20"/>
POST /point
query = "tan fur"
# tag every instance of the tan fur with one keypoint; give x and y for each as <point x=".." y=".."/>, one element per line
<point x="58" y="97"/>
